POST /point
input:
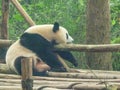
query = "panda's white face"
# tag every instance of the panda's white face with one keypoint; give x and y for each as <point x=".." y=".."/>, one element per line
<point x="69" y="38"/>
<point x="62" y="36"/>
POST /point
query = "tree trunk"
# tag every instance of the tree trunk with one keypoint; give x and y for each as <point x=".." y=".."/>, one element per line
<point x="98" y="32"/>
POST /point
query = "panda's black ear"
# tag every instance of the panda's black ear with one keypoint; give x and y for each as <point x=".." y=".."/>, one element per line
<point x="56" y="27"/>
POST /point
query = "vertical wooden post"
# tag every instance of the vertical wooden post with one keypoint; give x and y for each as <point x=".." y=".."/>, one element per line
<point x="4" y="27"/>
<point x="5" y="15"/>
<point x="26" y="67"/>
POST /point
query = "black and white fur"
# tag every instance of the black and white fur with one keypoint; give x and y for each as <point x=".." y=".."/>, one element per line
<point x="37" y="42"/>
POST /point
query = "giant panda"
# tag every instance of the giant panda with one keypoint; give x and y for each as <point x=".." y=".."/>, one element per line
<point x="38" y="42"/>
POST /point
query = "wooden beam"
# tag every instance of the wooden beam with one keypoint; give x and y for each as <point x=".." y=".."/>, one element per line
<point x="89" y="48"/>
<point x="76" y="47"/>
<point x="23" y="12"/>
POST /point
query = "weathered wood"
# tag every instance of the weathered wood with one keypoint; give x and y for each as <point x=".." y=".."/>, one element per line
<point x="89" y="48"/>
<point x="55" y="81"/>
<point x="26" y="69"/>
<point x="75" y="87"/>
<point x="4" y="69"/>
<point x="77" y="47"/>
<point x="96" y="87"/>
<point x="38" y="79"/>
<point x="14" y="88"/>
<point x="5" y="15"/>
<point x="5" y="43"/>
<point x="62" y="84"/>
<point x="86" y="74"/>
<point x="23" y="12"/>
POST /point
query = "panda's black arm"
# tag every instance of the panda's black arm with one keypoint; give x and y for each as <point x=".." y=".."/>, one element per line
<point x="52" y="59"/>
<point x="68" y="56"/>
<point x="34" y="42"/>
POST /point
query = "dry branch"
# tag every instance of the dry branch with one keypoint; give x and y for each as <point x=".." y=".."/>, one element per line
<point x="89" y="48"/>
<point x="23" y="12"/>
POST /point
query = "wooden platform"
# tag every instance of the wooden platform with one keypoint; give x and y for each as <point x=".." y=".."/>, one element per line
<point x="84" y="80"/>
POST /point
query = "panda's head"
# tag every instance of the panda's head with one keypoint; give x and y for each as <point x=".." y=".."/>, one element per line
<point x="52" y="33"/>
<point x="60" y="34"/>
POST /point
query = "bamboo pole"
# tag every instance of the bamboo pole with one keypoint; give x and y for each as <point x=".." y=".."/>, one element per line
<point x="23" y="12"/>
<point x="26" y="67"/>
<point x="89" y="48"/>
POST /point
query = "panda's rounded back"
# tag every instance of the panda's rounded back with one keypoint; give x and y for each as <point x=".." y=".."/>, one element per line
<point x="43" y="30"/>
<point x="17" y="50"/>
<point x="47" y="32"/>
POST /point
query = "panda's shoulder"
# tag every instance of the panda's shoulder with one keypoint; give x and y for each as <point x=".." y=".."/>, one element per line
<point x="40" y="26"/>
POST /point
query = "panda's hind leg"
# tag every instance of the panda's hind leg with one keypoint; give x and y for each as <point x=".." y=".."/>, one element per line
<point x="17" y="64"/>
<point x="39" y="69"/>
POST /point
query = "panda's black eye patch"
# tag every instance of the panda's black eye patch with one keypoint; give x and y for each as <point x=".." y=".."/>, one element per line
<point x="66" y="35"/>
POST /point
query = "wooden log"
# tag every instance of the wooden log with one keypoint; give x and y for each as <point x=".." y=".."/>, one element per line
<point x="26" y="67"/>
<point x="96" y="71"/>
<point x="48" y="88"/>
<point x="14" y="88"/>
<point x="15" y="78"/>
<point x="5" y="43"/>
<point x="23" y="12"/>
<point x="84" y="75"/>
<point x="5" y="15"/>
<point x="77" y="47"/>
<point x="48" y="84"/>
<point x="75" y="87"/>
<point x="96" y="87"/>
<point x="59" y="84"/>
<point x="4" y="69"/>
<point x="10" y="88"/>
<point x="89" y="48"/>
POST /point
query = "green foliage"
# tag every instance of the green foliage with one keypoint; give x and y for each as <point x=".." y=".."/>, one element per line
<point x="115" y="31"/>
<point x="115" y="18"/>
<point x="116" y="40"/>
